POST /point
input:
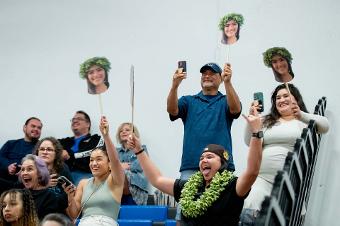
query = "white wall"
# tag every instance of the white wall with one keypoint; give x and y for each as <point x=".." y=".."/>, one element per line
<point x="42" y="43"/>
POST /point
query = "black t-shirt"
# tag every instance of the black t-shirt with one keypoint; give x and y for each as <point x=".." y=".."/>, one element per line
<point x="224" y="211"/>
<point x="47" y="201"/>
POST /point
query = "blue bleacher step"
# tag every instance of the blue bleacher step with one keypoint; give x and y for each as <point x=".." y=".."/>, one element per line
<point x="125" y="222"/>
<point x="153" y="213"/>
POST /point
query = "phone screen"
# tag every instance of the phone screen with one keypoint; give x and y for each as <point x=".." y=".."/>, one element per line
<point x="259" y="97"/>
<point x="182" y="64"/>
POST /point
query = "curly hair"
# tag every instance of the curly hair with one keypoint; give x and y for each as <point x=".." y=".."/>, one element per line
<point x="29" y="217"/>
<point x="58" y="148"/>
<point x="274" y="115"/>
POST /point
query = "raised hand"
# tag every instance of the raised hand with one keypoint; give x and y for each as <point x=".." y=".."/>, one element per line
<point x="296" y="110"/>
<point x="226" y="73"/>
<point x="53" y="181"/>
<point x="178" y="77"/>
<point x="254" y="108"/>
<point x="104" y="126"/>
<point x="134" y="143"/>
<point x="254" y="122"/>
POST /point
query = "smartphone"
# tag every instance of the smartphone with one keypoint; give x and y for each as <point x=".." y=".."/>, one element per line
<point x="63" y="180"/>
<point x="182" y="64"/>
<point x="259" y="97"/>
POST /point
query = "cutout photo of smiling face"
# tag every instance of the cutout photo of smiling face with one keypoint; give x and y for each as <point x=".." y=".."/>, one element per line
<point x="230" y="26"/>
<point x="96" y="80"/>
<point x="231" y="31"/>
<point x="95" y="70"/>
<point x="281" y="69"/>
<point x="279" y="60"/>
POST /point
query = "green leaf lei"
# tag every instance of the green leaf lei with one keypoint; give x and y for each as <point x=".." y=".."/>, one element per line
<point x="99" y="61"/>
<point x="268" y="55"/>
<point x="191" y="208"/>
<point x="238" y="18"/>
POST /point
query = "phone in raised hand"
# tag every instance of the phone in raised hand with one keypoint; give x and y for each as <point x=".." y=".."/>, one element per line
<point x="258" y="96"/>
<point x="182" y="64"/>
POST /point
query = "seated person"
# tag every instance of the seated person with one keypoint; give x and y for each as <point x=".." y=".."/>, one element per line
<point x="136" y="185"/>
<point x="13" y="151"/>
<point x="50" y="150"/>
<point x="35" y="176"/>
<point x="98" y="198"/>
<point x="18" y="208"/>
<point x="78" y="148"/>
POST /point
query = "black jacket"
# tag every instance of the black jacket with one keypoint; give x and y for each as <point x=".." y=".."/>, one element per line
<point x="81" y="159"/>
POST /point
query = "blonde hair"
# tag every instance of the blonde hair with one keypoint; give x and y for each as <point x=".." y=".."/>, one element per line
<point x="135" y="130"/>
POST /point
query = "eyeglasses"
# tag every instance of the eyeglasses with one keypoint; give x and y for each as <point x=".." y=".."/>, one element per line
<point x="77" y="119"/>
<point x="46" y="149"/>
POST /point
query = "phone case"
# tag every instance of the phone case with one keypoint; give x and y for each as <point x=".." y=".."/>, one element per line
<point x="182" y="64"/>
<point x="259" y="97"/>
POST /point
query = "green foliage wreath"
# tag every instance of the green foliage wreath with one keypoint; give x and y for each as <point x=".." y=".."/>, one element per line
<point x="99" y="61"/>
<point x="268" y="55"/>
<point x="231" y="16"/>
<point x="194" y="208"/>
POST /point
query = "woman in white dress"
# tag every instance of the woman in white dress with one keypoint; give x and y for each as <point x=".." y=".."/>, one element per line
<point x="281" y="127"/>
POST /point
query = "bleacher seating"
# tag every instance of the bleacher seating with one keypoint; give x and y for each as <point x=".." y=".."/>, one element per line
<point x="291" y="188"/>
<point x="146" y="215"/>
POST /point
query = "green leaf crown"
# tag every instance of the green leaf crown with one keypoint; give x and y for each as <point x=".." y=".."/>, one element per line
<point x="270" y="53"/>
<point x="231" y="16"/>
<point x="99" y="61"/>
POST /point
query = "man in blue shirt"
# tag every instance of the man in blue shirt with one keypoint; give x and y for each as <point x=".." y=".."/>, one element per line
<point x="13" y="151"/>
<point x="207" y="116"/>
<point x="77" y="149"/>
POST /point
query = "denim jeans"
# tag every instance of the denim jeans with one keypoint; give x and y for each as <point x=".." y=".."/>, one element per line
<point x="248" y="217"/>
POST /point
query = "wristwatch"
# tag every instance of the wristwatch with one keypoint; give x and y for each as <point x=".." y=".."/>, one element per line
<point x="259" y="134"/>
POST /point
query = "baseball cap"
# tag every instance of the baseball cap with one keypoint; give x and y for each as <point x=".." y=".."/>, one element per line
<point x="211" y="66"/>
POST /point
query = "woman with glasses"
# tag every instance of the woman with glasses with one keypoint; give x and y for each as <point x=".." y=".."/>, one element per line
<point x="50" y="150"/>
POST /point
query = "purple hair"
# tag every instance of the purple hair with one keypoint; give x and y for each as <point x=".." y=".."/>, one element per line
<point x="43" y="173"/>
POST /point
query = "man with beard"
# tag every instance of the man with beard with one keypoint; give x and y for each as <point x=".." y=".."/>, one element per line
<point x="78" y="148"/>
<point x="13" y="151"/>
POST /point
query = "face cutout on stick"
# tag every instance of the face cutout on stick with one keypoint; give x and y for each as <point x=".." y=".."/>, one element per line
<point x="230" y="26"/>
<point x="95" y="71"/>
<point x="279" y="59"/>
